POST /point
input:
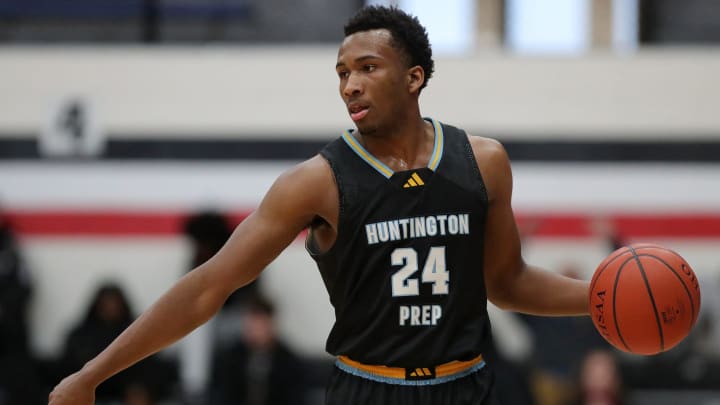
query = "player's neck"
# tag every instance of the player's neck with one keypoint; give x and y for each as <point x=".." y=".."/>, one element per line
<point x="407" y="145"/>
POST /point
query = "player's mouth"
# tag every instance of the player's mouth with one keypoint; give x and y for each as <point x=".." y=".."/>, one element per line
<point x="358" y="111"/>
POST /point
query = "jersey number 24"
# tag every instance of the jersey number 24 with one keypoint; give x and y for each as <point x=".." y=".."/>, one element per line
<point x="434" y="272"/>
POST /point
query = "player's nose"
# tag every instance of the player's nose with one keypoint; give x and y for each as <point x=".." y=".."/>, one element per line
<point x="353" y="86"/>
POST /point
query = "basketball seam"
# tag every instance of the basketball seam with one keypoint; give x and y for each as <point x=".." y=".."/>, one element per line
<point x="599" y="272"/>
<point x="674" y="253"/>
<point x="656" y="247"/>
<point x="687" y="290"/>
<point x="652" y="298"/>
<point x="614" y="306"/>
<point x="596" y="277"/>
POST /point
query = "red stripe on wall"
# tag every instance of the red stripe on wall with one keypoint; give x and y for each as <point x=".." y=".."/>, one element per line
<point x="625" y="226"/>
<point x="102" y="223"/>
<point x="167" y="223"/>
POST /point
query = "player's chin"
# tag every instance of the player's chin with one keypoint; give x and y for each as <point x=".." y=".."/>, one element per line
<point x="366" y="128"/>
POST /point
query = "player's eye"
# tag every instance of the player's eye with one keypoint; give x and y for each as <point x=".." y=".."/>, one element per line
<point x="369" y="68"/>
<point x="343" y="74"/>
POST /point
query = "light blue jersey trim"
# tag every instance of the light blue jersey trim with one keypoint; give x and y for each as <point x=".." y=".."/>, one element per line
<point x="437" y="154"/>
<point x="400" y="381"/>
<point x="366" y="156"/>
<point x="435" y="158"/>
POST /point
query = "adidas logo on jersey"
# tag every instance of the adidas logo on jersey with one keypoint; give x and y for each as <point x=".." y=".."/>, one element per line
<point x="414" y="181"/>
<point x="419" y="374"/>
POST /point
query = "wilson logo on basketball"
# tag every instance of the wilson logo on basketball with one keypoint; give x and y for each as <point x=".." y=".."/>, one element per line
<point x="673" y="312"/>
<point x="688" y="272"/>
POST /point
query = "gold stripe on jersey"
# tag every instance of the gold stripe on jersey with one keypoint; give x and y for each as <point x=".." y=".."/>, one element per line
<point x="433" y="163"/>
<point x="438" y="148"/>
<point x="442" y="370"/>
<point x="366" y="156"/>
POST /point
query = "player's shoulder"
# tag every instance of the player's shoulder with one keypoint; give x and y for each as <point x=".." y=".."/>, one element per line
<point x="308" y="187"/>
<point x="493" y="163"/>
<point x="487" y="150"/>
<point x="313" y="171"/>
<point x="479" y="144"/>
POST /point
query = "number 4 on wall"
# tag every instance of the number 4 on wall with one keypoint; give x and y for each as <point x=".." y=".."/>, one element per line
<point x="434" y="271"/>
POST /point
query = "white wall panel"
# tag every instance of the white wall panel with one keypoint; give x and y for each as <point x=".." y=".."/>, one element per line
<point x="292" y="92"/>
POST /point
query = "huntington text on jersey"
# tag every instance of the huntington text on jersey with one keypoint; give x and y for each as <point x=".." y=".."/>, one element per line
<point x="417" y="227"/>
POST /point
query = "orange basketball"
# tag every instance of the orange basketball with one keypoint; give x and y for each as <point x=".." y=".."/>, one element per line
<point x="644" y="299"/>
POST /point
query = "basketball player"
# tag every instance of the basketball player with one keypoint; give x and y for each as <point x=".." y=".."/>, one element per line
<point x="412" y="229"/>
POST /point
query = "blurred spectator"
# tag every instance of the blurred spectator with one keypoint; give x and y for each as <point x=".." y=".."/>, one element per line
<point x="139" y="394"/>
<point x="108" y="315"/>
<point x="560" y="344"/>
<point x="208" y="231"/>
<point x="18" y="379"/>
<point x="14" y="294"/>
<point x="258" y="368"/>
<point x="512" y="382"/>
<point x="600" y="381"/>
<point x="605" y="228"/>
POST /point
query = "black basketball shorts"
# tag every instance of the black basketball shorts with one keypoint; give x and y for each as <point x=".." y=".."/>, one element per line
<point x="351" y="385"/>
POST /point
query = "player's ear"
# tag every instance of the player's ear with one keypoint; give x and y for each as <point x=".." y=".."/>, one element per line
<point x="416" y="78"/>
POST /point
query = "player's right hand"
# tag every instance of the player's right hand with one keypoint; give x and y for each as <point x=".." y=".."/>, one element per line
<point x="73" y="390"/>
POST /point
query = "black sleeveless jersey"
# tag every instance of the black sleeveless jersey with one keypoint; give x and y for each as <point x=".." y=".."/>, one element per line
<point x="405" y="275"/>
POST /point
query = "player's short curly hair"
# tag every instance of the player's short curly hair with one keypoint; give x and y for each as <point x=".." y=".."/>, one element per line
<point x="408" y="35"/>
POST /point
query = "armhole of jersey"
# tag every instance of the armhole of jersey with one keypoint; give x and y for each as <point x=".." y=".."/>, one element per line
<point x="474" y="164"/>
<point x="310" y="245"/>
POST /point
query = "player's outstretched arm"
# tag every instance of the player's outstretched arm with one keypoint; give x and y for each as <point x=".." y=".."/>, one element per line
<point x="511" y="283"/>
<point x="289" y="206"/>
